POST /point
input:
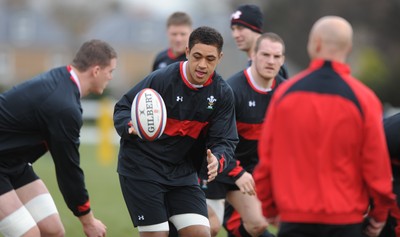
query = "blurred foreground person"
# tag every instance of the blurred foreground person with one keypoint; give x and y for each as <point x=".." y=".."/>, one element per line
<point x="322" y="149"/>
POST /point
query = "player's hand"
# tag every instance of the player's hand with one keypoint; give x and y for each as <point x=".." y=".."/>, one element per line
<point x="273" y="221"/>
<point x="131" y="129"/>
<point x="246" y="184"/>
<point x="212" y="166"/>
<point x="374" y="228"/>
<point x="92" y="227"/>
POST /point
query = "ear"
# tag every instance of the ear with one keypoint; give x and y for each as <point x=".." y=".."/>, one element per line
<point x="95" y="70"/>
<point x="220" y="55"/>
<point x="187" y="52"/>
<point x="282" y="60"/>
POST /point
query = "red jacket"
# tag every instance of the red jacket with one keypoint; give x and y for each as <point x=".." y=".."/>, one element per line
<point x="322" y="150"/>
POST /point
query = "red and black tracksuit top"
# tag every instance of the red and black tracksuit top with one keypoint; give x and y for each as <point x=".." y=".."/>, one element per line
<point x="165" y="58"/>
<point x="322" y="150"/>
<point x="192" y="112"/>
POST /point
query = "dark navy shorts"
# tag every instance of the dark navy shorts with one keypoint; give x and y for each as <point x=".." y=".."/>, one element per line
<point x="151" y="203"/>
<point x="14" y="175"/>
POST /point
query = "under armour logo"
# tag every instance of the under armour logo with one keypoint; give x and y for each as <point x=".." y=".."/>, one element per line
<point x="141" y="218"/>
<point x="236" y="15"/>
<point x="252" y="103"/>
<point x="179" y="98"/>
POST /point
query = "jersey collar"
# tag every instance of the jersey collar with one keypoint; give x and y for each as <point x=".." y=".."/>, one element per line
<point x="186" y="81"/>
<point x="74" y="78"/>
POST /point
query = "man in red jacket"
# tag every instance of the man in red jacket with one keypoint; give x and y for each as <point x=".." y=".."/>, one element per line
<point x="322" y="149"/>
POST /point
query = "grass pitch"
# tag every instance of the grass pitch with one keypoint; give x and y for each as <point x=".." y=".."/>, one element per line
<point x="104" y="192"/>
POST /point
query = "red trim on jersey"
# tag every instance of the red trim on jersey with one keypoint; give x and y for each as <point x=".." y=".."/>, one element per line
<point x="69" y="68"/>
<point x="221" y="164"/>
<point x="254" y="87"/>
<point x="171" y="55"/>
<point x="249" y="131"/>
<point x="176" y="127"/>
<point x="235" y="171"/>
<point x="84" y="207"/>
<point x="186" y="81"/>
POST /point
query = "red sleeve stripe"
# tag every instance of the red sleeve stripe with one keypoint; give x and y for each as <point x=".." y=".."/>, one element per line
<point x="84" y="207"/>
<point x="176" y="127"/>
<point x="235" y="171"/>
<point x="249" y="131"/>
<point x="221" y="164"/>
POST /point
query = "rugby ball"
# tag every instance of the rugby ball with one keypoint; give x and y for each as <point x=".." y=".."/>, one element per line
<point x="149" y="115"/>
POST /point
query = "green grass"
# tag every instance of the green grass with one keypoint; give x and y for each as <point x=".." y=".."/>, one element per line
<point x="104" y="190"/>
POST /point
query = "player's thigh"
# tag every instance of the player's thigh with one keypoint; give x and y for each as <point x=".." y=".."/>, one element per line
<point x="216" y="209"/>
<point x="145" y="202"/>
<point x="187" y="207"/>
<point x="13" y="175"/>
<point x="15" y="219"/>
<point x="40" y="204"/>
<point x="249" y="207"/>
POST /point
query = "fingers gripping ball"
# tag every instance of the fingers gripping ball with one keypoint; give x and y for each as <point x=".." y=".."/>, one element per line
<point x="149" y="114"/>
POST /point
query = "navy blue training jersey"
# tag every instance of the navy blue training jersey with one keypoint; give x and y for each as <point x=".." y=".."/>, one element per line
<point x="165" y="58"/>
<point x="251" y="104"/>
<point x="42" y="114"/>
<point x="191" y="112"/>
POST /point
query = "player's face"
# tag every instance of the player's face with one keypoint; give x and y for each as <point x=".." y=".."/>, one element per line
<point x="244" y="37"/>
<point x="202" y="61"/>
<point x="103" y="76"/>
<point x="178" y="36"/>
<point x="268" y="59"/>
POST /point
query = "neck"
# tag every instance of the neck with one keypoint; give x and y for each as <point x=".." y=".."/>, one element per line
<point x="82" y="81"/>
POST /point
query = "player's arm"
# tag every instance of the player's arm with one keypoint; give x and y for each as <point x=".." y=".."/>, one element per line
<point x="64" y="129"/>
<point x="222" y="133"/>
<point x="376" y="169"/>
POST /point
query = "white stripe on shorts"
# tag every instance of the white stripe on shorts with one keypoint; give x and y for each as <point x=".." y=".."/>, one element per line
<point x="157" y="227"/>
<point x="184" y="220"/>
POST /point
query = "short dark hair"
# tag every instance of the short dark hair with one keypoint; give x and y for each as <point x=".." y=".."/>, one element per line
<point x="206" y="35"/>
<point x="179" y="18"/>
<point x="271" y="36"/>
<point x="93" y="52"/>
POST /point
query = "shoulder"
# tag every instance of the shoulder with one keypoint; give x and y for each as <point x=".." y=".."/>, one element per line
<point x="222" y="87"/>
<point x="236" y="78"/>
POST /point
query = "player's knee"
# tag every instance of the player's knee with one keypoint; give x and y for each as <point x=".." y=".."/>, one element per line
<point x="199" y="230"/>
<point x="214" y="229"/>
<point x="256" y="228"/>
<point x="51" y="230"/>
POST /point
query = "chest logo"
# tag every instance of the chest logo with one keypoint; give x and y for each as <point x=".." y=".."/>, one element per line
<point x="211" y="102"/>
<point x="179" y="98"/>
<point x="252" y="103"/>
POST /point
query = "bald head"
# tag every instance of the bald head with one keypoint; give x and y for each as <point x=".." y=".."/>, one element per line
<point x="330" y="38"/>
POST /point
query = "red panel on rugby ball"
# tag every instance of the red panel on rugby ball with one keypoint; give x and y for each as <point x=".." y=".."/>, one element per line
<point x="149" y="115"/>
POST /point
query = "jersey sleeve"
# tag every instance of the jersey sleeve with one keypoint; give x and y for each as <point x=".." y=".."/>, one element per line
<point x="262" y="172"/>
<point x="222" y="133"/>
<point x="63" y="142"/>
<point x="376" y="168"/>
